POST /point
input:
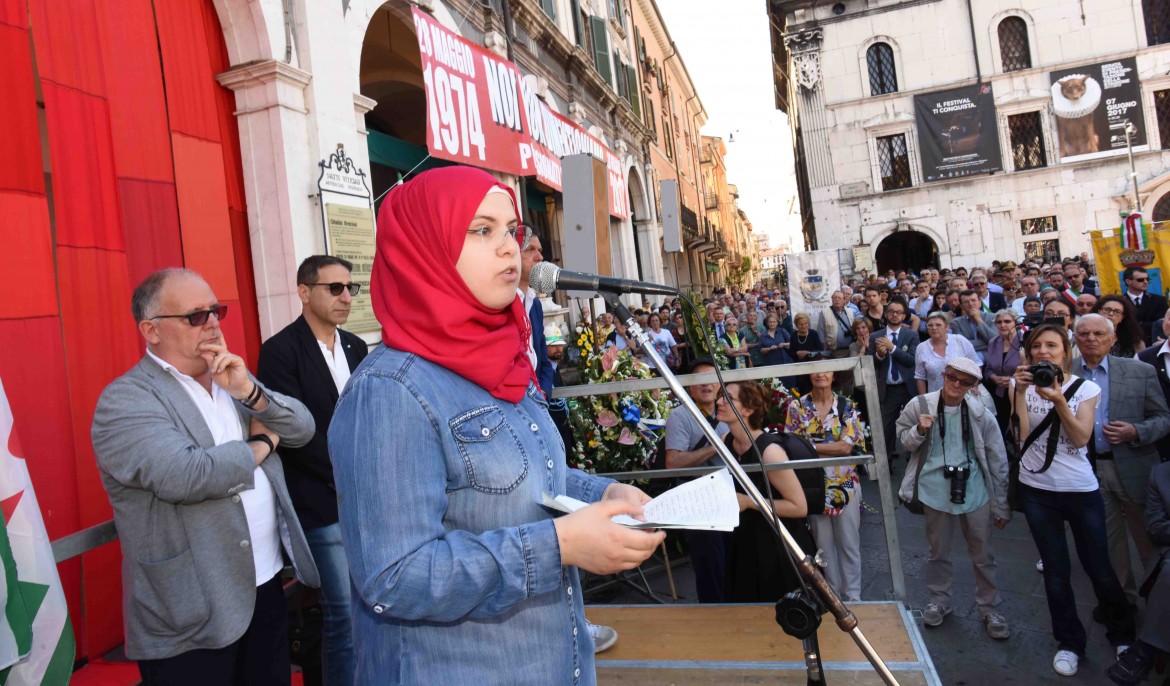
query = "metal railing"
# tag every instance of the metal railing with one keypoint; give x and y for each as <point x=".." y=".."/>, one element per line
<point x="863" y="375"/>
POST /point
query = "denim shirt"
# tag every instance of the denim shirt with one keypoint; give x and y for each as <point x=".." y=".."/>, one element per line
<point x="455" y="566"/>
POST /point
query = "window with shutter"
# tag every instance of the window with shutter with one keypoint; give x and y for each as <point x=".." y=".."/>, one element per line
<point x="1157" y="13"/>
<point x="619" y="77"/>
<point x="883" y="78"/>
<point x="550" y="8"/>
<point x="648" y="115"/>
<point x="635" y="92"/>
<point x="601" y="49"/>
<point x="667" y="140"/>
<point x="578" y="25"/>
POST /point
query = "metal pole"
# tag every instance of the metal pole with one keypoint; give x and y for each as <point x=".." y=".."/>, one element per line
<point x="845" y="618"/>
<point x="882" y="466"/>
<point x="1137" y="199"/>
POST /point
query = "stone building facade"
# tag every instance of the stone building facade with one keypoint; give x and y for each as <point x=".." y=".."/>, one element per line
<point x="848" y="73"/>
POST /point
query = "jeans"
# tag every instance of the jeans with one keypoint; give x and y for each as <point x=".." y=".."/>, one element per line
<point x="1047" y="512"/>
<point x="337" y="638"/>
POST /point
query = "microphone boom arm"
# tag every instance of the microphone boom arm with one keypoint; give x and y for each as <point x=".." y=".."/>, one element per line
<point x="844" y="617"/>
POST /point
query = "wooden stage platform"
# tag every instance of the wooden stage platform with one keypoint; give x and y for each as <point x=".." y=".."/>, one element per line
<point x="741" y="644"/>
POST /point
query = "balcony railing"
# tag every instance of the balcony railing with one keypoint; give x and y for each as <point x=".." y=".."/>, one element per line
<point x="712" y="201"/>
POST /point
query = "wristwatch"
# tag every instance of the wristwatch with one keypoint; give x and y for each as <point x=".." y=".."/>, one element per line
<point x="262" y="438"/>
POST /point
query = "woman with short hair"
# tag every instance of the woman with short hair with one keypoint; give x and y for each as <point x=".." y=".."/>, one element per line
<point x="932" y="354"/>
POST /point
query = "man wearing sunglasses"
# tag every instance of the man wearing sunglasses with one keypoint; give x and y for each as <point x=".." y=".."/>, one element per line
<point x="311" y="359"/>
<point x="185" y="446"/>
<point x="1151" y="307"/>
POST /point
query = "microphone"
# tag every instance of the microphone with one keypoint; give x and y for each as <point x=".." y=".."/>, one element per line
<point x="546" y="278"/>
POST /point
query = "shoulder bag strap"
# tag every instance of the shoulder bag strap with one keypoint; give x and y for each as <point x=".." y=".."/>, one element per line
<point x="923" y="408"/>
<point x="1053" y="436"/>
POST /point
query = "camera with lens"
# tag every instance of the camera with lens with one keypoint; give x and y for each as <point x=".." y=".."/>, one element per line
<point x="1044" y="374"/>
<point x="958" y="477"/>
<point x="1032" y="320"/>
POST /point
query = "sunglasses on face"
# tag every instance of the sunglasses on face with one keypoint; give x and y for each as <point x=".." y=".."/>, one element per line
<point x="337" y="287"/>
<point x="963" y="383"/>
<point x="198" y="318"/>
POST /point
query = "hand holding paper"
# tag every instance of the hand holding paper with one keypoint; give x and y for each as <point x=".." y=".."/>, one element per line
<point x="706" y="503"/>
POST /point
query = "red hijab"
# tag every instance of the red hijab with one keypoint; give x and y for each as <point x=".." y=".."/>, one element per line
<point x="421" y="301"/>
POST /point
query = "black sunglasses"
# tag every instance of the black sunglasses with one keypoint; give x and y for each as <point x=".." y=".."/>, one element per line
<point x="198" y="318"/>
<point x="337" y="287"/>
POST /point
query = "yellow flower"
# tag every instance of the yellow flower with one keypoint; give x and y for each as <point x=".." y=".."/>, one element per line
<point x="592" y="444"/>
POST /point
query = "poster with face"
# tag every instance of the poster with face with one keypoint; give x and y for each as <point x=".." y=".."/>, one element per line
<point x="1088" y="101"/>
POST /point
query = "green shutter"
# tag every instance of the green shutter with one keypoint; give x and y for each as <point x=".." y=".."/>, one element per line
<point x="578" y="31"/>
<point x="601" y="49"/>
<point x="635" y="92"/>
<point x="651" y="120"/>
<point x="619" y="79"/>
<point x="550" y="8"/>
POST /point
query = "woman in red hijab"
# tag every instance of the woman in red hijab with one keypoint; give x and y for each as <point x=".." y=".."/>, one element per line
<point x="442" y="447"/>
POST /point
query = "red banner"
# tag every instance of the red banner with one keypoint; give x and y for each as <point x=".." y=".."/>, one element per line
<point x="481" y="112"/>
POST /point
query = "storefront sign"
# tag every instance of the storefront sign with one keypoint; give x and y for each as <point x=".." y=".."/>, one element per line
<point x="957" y="134"/>
<point x="1089" y="100"/>
<point x="351" y="237"/>
<point x="481" y="112"/>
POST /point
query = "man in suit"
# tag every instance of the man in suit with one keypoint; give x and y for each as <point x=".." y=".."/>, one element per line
<point x="894" y="347"/>
<point x="1131" y="415"/>
<point x="1153" y="635"/>
<point x="310" y="360"/>
<point x="1157" y="356"/>
<point x="1150" y="306"/>
<point x="973" y="325"/>
<point x="989" y="302"/>
<point x="530" y="255"/>
<point x="185" y="446"/>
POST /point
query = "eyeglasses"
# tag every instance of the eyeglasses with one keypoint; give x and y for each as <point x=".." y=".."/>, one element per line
<point x="1112" y="310"/>
<point x="198" y="318"/>
<point x="963" y="383"/>
<point x="519" y="233"/>
<point x="890" y="312"/>
<point x="1140" y="279"/>
<point x="337" y="287"/>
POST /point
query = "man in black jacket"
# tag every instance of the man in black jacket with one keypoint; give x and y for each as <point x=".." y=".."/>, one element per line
<point x="1150" y="306"/>
<point x="310" y="360"/>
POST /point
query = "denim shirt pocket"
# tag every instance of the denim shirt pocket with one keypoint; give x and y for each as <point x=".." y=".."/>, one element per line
<point x="492" y="454"/>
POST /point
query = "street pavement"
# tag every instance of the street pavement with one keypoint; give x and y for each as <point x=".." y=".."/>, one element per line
<point x="962" y="652"/>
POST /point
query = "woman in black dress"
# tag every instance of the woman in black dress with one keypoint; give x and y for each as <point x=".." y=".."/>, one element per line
<point x="758" y="569"/>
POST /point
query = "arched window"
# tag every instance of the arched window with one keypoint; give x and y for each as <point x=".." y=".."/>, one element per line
<point x="883" y="78"/>
<point x="1013" y="44"/>
<point x="1157" y="13"/>
<point x="1161" y="210"/>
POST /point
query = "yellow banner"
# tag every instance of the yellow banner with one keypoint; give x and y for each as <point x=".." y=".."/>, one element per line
<point x="1112" y="261"/>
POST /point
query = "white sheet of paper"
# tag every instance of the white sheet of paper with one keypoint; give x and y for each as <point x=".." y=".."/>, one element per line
<point x="706" y="503"/>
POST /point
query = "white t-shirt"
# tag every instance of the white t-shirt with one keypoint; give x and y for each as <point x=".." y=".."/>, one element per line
<point x="1070" y="471"/>
<point x="662" y="341"/>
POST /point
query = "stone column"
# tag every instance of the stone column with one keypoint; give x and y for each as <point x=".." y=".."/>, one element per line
<point x="278" y="176"/>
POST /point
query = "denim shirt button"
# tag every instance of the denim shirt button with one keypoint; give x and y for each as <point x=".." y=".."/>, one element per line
<point x="577" y="673"/>
<point x="378" y="609"/>
<point x="550" y="464"/>
<point x="485" y="431"/>
<point x="574" y="631"/>
<point x="570" y="590"/>
<point x="534" y="427"/>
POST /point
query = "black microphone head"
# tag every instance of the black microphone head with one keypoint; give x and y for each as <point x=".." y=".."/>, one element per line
<point x="543" y="277"/>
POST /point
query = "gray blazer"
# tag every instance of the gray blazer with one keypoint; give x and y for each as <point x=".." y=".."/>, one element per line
<point x="979" y="334"/>
<point x="188" y="577"/>
<point x="1136" y="397"/>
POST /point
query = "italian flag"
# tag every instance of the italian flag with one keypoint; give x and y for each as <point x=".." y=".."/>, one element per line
<point x="36" y="636"/>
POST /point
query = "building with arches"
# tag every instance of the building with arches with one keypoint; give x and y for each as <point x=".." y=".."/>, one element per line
<point x="191" y="133"/>
<point x="848" y="75"/>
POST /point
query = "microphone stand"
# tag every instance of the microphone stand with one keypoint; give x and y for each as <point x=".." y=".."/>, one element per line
<point x="790" y="608"/>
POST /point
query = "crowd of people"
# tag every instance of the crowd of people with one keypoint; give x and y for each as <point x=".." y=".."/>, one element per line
<point x="955" y="352"/>
<point x="408" y="479"/>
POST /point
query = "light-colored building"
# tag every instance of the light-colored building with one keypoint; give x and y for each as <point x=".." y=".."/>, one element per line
<point x="936" y="187"/>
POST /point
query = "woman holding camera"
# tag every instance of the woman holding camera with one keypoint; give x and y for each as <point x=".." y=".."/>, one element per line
<point x="1058" y="486"/>
<point x="958" y="474"/>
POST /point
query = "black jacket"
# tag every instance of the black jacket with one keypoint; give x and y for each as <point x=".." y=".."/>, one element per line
<point x="291" y="363"/>
<point x="1150" y="356"/>
<point x="1152" y="309"/>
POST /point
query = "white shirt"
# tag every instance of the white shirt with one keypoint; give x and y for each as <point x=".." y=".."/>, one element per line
<point x="1163" y="352"/>
<point x="336" y="361"/>
<point x="1070" y="471"/>
<point x="527" y="297"/>
<point x="1135" y="298"/>
<point x="219" y="413"/>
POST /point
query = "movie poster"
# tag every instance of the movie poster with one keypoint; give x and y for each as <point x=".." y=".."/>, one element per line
<point x="1088" y="100"/>
<point x="957" y="134"/>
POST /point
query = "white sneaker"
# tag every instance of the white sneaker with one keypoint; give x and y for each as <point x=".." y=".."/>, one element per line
<point x="1040" y="566"/>
<point x="1065" y="662"/>
<point x="603" y="636"/>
